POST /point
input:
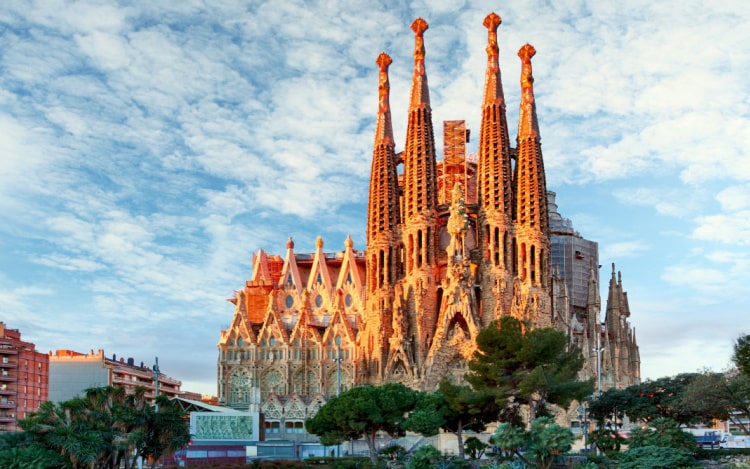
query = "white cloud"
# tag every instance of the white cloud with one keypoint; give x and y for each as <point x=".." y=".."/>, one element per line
<point x="731" y="228"/>
<point x="148" y="150"/>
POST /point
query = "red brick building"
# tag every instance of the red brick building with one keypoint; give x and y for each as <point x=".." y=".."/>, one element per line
<point x="24" y="378"/>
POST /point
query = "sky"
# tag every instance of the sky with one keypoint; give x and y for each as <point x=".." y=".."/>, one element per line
<point x="148" y="149"/>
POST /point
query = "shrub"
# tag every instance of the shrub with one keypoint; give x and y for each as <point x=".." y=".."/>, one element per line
<point x="665" y="433"/>
<point x="655" y="457"/>
<point x="426" y="457"/>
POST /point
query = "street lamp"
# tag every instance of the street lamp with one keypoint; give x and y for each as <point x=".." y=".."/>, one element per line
<point x="338" y="359"/>
<point x="598" y="351"/>
<point x="156" y="382"/>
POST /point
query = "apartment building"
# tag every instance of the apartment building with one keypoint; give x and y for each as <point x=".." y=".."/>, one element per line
<point x="24" y="378"/>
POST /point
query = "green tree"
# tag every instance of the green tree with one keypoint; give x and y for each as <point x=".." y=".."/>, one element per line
<point x="741" y="355"/>
<point x="107" y="428"/>
<point x="475" y="447"/>
<point x="364" y="411"/>
<point x="661" y="398"/>
<point x="542" y="443"/>
<point x="610" y="405"/>
<point x="538" y="367"/>
<point x="19" y="451"/>
<point x="454" y="408"/>
<point x="662" y="432"/>
<point x="607" y="440"/>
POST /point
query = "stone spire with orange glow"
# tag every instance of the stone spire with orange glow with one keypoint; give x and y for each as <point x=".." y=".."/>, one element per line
<point x="494" y="183"/>
<point x="531" y="206"/>
<point x="494" y="170"/>
<point x="420" y="188"/>
<point x="419" y="228"/>
<point x="383" y="211"/>
<point x="532" y="222"/>
<point x="383" y="234"/>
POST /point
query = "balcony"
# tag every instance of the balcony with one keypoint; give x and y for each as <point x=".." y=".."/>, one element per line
<point x="7" y="391"/>
<point x="7" y="418"/>
<point x="7" y="404"/>
<point x="8" y="364"/>
<point x="6" y="378"/>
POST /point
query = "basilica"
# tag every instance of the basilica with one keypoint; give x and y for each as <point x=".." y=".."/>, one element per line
<point x="452" y="244"/>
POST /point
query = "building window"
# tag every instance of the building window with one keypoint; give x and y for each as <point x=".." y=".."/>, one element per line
<point x="272" y="427"/>
<point x="294" y="427"/>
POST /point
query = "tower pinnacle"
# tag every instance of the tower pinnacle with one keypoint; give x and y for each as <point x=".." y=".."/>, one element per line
<point x="493" y="87"/>
<point x="420" y="95"/>
<point x="384" y="126"/>
<point x="528" y="125"/>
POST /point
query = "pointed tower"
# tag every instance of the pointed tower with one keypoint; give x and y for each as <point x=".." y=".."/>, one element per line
<point x="494" y="186"/>
<point x="384" y="246"/>
<point x="419" y="228"/>
<point x="532" y="223"/>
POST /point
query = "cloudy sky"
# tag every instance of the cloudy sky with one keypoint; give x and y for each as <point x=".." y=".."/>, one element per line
<point x="147" y="150"/>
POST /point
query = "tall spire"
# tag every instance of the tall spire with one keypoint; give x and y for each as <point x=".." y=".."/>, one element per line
<point x="528" y="127"/>
<point x="420" y="95"/>
<point x="420" y="187"/>
<point x="494" y="172"/>
<point x="384" y="126"/>
<point x="531" y="185"/>
<point x="495" y="184"/>
<point x="493" y="86"/>
<point x="530" y="189"/>
<point x="382" y="210"/>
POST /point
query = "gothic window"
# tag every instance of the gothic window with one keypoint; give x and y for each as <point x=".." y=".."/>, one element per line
<point x="272" y="383"/>
<point x="348" y="300"/>
<point x="239" y="387"/>
<point x="239" y="342"/>
<point x="289" y="301"/>
<point x="333" y="382"/>
<point x="318" y="301"/>
<point x="305" y="383"/>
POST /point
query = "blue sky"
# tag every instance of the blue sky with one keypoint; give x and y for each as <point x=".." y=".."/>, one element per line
<point x="146" y="151"/>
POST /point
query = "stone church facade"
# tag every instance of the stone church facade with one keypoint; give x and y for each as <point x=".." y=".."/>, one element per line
<point x="451" y="246"/>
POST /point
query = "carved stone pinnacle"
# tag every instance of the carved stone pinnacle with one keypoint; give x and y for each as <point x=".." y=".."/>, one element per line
<point x="419" y="26"/>
<point x="492" y="21"/>
<point x="383" y="61"/>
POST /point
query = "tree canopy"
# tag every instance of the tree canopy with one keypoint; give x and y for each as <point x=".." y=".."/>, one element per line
<point x="364" y="411"/>
<point x="533" y="367"/>
<point x="741" y="355"/>
<point x="106" y="428"/>
<point x="539" y="445"/>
